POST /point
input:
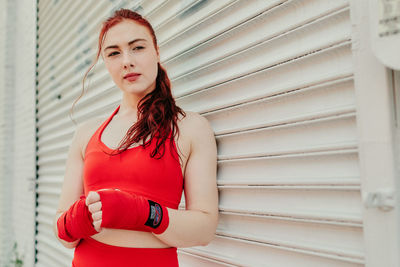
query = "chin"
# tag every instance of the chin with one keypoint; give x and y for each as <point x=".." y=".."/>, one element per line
<point x="138" y="92"/>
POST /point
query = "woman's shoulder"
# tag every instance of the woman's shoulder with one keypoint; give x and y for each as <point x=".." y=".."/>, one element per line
<point x="89" y="125"/>
<point x="194" y="124"/>
<point x="191" y="119"/>
<point x="85" y="130"/>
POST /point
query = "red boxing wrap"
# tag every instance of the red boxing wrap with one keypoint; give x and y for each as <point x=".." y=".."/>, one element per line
<point x="76" y="222"/>
<point x="129" y="211"/>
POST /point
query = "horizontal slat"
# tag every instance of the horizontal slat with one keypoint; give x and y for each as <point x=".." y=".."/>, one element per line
<point x="48" y="15"/>
<point x="54" y="148"/>
<point x="215" y="24"/>
<point x="47" y="235"/>
<point x="192" y="260"/>
<point x="273" y="22"/>
<point x="196" y="11"/>
<point x="97" y="86"/>
<point x="44" y="6"/>
<point x="319" y="204"/>
<point x="317" y="135"/>
<point x="52" y="172"/>
<point x="267" y="51"/>
<point x="332" y="239"/>
<point x="52" y="161"/>
<point x="208" y="102"/>
<point x="247" y="253"/>
<point x="84" y="36"/>
<point x="67" y="74"/>
<point x="69" y="64"/>
<point x="52" y="253"/>
<point x="219" y="74"/>
<point x="46" y="214"/>
<point x="310" y="70"/>
<point x="167" y="10"/>
<point x="49" y="190"/>
<point x="48" y="199"/>
<point x="299" y="105"/>
<point x="149" y="7"/>
<point x="322" y="168"/>
<point x="86" y="105"/>
<point x="65" y="26"/>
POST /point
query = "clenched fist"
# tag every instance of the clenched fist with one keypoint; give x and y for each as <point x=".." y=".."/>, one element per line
<point x="94" y="205"/>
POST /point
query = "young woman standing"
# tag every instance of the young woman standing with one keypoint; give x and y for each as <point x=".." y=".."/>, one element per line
<point x="119" y="203"/>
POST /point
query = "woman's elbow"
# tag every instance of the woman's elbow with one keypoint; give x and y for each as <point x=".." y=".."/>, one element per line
<point x="210" y="235"/>
<point x="207" y="239"/>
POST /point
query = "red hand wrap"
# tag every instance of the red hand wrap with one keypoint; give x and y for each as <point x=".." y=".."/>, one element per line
<point x="76" y="222"/>
<point x="124" y="210"/>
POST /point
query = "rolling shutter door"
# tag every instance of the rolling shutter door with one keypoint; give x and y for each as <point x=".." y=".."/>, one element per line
<point x="66" y="38"/>
<point x="275" y="80"/>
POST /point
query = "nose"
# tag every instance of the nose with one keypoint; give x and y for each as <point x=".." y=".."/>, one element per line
<point x="127" y="60"/>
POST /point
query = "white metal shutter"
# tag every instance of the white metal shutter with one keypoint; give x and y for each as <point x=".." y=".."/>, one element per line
<point x="275" y="80"/>
<point x="67" y="33"/>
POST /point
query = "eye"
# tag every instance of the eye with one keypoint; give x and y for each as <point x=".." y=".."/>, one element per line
<point x="112" y="54"/>
<point x="138" y="48"/>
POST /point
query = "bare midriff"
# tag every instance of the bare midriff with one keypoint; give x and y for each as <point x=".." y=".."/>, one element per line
<point x="129" y="238"/>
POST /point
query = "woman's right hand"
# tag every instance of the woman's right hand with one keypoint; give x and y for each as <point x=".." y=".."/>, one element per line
<point x="94" y="205"/>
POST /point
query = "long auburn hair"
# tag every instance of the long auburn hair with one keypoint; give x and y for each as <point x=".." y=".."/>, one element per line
<point x="157" y="110"/>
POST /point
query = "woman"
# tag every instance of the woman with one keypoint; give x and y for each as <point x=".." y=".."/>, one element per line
<point x="119" y="205"/>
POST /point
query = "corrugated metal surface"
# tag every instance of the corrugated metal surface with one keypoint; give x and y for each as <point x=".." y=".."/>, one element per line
<point x="278" y="91"/>
<point x="66" y="38"/>
<point x="275" y="80"/>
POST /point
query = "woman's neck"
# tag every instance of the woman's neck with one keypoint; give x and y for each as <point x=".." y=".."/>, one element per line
<point x="128" y="107"/>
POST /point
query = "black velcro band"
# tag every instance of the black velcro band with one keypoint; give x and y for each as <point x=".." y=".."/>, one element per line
<point x="155" y="215"/>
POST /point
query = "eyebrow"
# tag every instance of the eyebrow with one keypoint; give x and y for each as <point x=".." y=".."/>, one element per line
<point x="129" y="43"/>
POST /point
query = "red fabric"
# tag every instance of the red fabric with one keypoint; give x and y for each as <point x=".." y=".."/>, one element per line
<point x="134" y="171"/>
<point x="76" y="222"/>
<point x="128" y="211"/>
<point x="92" y="253"/>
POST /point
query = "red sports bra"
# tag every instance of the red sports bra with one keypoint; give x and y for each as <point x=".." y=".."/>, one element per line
<point x="133" y="170"/>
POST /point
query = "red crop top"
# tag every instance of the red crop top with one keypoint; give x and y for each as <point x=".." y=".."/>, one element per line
<point x="133" y="170"/>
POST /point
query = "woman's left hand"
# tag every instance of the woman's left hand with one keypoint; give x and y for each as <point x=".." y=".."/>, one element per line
<point x="94" y="205"/>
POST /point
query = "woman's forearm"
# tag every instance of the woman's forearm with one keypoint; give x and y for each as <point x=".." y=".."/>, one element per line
<point x="189" y="228"/>
<point x="63" y="242"/>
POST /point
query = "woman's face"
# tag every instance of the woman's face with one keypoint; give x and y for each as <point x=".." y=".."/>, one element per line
<point x="128" y="49"/>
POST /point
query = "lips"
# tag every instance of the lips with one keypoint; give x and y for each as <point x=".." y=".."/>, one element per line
<point x="131" y="76"/>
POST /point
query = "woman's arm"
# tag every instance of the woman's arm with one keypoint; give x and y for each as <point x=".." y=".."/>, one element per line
<point x="197" y="224"/>
<point x="191" y="227"/>
<point x="72" y="187"/>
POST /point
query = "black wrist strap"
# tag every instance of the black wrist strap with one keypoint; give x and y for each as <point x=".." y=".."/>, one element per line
<point x="155" y="214"/>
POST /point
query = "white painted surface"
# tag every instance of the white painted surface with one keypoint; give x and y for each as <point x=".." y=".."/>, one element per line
<point x="384" y="31"/>
<point x="6" y="41"/>
<point x="17" y="134"/>
<point x="375" y="129"/>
